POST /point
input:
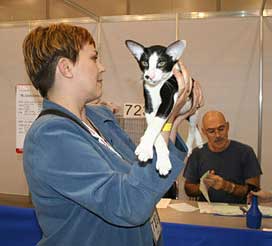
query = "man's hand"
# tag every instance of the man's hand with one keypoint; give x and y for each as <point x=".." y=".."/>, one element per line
<point x="214" y="181"/>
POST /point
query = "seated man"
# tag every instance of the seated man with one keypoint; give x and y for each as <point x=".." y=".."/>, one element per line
<point x="232" y="165"/>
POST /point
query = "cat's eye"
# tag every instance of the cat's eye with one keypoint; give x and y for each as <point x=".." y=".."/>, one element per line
<point x="144" y="63"/>
<point x="161" y="64"/>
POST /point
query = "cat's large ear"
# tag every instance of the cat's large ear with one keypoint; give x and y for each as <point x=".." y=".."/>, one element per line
<point x="135" y="48"/>
<point x="176" y="49"/>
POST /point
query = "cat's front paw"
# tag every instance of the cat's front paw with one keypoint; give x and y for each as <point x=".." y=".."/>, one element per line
<point x="163" y="165"/>
<point x="144" y="152"/>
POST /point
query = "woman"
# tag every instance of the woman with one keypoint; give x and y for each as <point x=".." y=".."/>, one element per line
<point x="87" y="185"/>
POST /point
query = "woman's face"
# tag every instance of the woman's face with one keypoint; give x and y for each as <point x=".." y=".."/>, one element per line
<point x="88" y="72"/>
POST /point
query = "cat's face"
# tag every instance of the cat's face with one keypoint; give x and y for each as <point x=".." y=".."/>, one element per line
<point x="156" y="62"/>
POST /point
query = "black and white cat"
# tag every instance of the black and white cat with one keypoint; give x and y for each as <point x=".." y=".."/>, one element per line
<point x="160" y="94"/>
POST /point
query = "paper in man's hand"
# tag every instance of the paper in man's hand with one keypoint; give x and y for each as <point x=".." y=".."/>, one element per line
<point x="203" y="187"/>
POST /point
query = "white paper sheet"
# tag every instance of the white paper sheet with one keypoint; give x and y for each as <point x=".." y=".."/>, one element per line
<point x="266" y="211"/>
<point x="226" y="209"/>
<point x="219" y="208"/>
<point x="203" y="188"/>
<point x="183" y="207"/>
<point x="205" y="207"/>
<point x="163" y="203"/>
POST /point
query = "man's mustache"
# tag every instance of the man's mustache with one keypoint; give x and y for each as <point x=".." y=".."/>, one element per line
<point x="219" y="139"/>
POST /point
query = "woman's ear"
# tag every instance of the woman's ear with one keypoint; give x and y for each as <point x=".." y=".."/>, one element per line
<point x="64" y="67"/>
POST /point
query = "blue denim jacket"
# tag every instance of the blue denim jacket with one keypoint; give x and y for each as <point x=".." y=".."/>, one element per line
<point x="84" y="194"/>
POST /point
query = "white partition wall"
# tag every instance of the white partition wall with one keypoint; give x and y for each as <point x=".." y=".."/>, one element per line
<point x="222" y="53"/>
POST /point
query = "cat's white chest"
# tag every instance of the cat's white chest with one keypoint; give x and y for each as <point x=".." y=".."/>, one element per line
<point x="155" y="96"/>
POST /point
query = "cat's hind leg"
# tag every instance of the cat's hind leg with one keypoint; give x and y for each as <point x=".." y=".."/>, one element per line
<point x="163" y="164"/>
<point x="198" y="138"/>
<point x="193" y="134"/>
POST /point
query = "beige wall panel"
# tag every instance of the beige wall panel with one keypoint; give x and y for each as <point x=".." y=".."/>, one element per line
<point x="162" y="6"/>
<point x="11" y="10"/>
<point x="106" y="7"/>
<point x="194" y="5"/>
<point x="58" y="9"/>
<point x="237" y="5"/>
<point x="149" y="7"/>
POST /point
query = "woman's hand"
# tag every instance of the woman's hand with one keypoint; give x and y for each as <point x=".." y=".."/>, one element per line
<point x="185" y="86"/>
<point x="264" y="196"/>
<point x="197" y="103"/>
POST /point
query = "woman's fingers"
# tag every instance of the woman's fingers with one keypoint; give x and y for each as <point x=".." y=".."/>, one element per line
<point x="184" y="72"/>
<point x="180" y="80"/>
<point x="183" y="78"/>
<point x="200" y="93"/>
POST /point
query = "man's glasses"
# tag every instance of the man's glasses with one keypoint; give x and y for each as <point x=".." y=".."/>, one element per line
<point x="219" y="129"/>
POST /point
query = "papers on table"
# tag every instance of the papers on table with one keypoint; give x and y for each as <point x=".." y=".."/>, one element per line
<point x="163" y="203"/>
<point x="203" y="187"/>
<point x="219" y="208"/>
<point x="266" y="211"/>
<point x="205" y="207"/>
<point x="228" y="210"/>
<point x="211" y="208"/>
<point x="183" y="207"/>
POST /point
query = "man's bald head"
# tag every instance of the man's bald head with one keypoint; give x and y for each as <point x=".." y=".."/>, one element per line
<point x="213" y="116"/>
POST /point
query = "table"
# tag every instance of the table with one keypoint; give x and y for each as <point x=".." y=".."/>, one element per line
<point x="196" y="229"/>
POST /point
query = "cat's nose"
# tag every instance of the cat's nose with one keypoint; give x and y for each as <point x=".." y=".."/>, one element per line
<point x="146" y="77"/>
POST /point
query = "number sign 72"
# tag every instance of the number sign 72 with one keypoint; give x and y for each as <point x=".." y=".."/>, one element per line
<point x="133" y="110"/>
